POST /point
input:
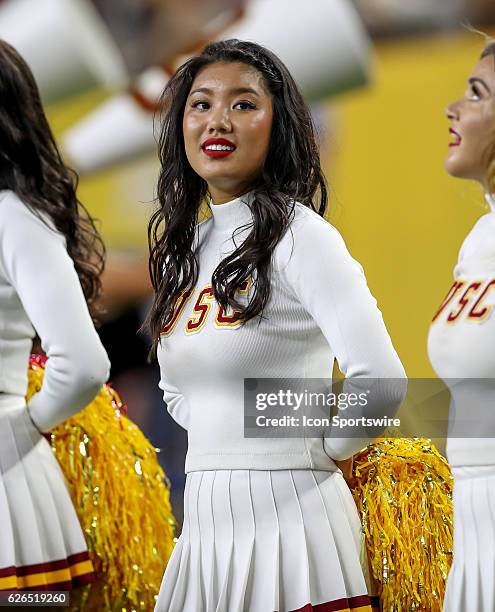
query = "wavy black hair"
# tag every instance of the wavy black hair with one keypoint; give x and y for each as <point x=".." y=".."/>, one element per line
<point x="291" y="172"/>
<point x="32" y="167"/>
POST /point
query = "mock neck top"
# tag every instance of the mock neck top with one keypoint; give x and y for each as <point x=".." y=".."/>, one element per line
<point x="233" y="214"/>
<point x="320" y="309"/>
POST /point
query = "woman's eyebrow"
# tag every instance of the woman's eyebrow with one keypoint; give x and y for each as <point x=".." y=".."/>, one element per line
<point x="204" y="90"/>
<point x="234" y="91"/>
<point x="240" y="90"/>
<point x="478" y="80"/>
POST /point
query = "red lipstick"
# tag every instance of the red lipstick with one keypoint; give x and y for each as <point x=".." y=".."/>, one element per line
<point x="218" y="147"/>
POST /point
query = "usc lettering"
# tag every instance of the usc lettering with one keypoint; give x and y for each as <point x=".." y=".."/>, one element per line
<point x="180" y="304"/>
<point x="225" y="320"/>
<point x="467" y="300"/>
<point x="464" y="301"/>
<point x="448" y="298"/>
<point x="201" y="310"/>
<point x="478" y="312"/>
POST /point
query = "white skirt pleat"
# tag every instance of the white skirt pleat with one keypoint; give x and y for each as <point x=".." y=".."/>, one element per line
<point x="471" y="581"/>
<point x="38" y="523"/>
<point x="265" y="541"/>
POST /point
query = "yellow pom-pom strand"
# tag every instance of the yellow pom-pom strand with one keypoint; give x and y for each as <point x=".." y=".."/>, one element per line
<point x="122" y="499"/>
<point x="403" y="489"/>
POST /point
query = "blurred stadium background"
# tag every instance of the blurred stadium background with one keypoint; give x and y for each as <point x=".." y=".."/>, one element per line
<point x="379" y="74"/>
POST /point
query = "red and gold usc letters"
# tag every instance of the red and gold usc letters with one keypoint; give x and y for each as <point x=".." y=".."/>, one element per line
<point x="466" y="301"/>
<point x="463" y="301"/>
<point x="225" y="320"/>
<point x="180" y="304"/>
<point x="201" y="310"/>
<point x="478" y="311"/>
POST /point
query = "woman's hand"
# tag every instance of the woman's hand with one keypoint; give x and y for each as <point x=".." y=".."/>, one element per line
<point x="346" y="466"/>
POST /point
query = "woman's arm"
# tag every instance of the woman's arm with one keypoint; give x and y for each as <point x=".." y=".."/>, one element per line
<point x="332" y="287"/>
<point x="39" y="268"/>
<point x="176" y="403"/>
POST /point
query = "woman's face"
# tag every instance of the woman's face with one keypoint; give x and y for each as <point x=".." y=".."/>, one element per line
<point x="472" y="125"/>
<point x="227" y="125"/>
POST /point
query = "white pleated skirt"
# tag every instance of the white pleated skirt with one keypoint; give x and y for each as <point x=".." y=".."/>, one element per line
<point x="471" y="581"/>
<point x="266" y="541"/>
<point x="42" y="546"/>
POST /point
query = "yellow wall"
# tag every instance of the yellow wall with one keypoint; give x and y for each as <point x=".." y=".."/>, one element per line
<point x="400" y="213"/>
<point x="402" y="216"/>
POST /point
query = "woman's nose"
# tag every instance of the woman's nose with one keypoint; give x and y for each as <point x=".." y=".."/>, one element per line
<point x="220" y="121"/>
<point x="452" y="111"/>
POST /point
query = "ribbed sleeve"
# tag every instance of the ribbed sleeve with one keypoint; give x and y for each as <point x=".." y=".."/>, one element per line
<point x="37" y="265"/>
<point x="332" y="287"/>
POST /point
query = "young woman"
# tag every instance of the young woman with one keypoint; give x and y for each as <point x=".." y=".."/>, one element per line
<point x="50" y="261"/>
<point x="461" y="341"/>
<point x="264" y="288"/>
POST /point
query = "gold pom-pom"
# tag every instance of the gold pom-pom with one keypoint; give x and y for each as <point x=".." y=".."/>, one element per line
<point x="121" y="497"/>
<point x="403" y="489"/>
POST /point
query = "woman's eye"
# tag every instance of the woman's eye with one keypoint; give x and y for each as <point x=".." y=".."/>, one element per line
<point x="244" y="105"/>
<point x="474" y="93"/>
<point x="200" y="105"/>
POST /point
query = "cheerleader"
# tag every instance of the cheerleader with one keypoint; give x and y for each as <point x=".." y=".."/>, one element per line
<point x="460" y="344"/>
<point x="50" y="261"/>
<point x="264" y="288"/>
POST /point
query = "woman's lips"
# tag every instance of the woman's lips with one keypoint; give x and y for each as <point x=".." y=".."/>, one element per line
<point x="218" y="153"/>
<point x="218" y="147"/>
<point x="456" y="138"/>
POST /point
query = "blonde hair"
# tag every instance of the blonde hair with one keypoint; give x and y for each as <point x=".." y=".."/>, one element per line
<point x="488" y="51"/>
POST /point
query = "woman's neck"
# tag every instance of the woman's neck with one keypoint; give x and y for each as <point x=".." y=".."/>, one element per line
<point x="222" y="197"/>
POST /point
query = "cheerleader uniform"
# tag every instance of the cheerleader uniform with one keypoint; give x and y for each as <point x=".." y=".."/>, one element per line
<point x="41" y="542"/>
<point x="270" y="524"/>
<point x="461" y="349"/>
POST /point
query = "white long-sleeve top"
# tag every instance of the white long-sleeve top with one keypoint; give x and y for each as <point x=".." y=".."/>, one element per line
<point x="461" y="347"/>
<point x="40" y="290"/>
<point x="320" y="308"/>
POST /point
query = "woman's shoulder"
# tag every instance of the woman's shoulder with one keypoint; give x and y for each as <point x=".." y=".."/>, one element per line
<point x="310" y="237"/>
<point x="10" y="203"/>
<point x="308" y="224"/>
<point x="479" y="241"/>
<point x="15" y="213"/>
<point x="12" y="206"/>
<point x="21" y="226"/>
<point x="312" y="245"/>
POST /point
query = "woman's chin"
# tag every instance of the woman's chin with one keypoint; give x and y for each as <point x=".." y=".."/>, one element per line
<point x="455" y="168"/>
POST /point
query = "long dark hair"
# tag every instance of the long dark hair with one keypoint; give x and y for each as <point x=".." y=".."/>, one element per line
<point x="31" y="166"/>
<point x="291" y="173"/>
